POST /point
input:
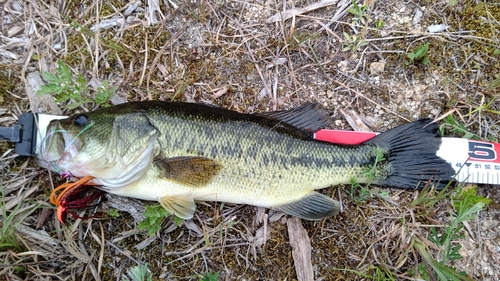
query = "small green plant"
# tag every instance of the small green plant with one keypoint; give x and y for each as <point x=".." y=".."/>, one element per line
<point x="361" y="19"/>
<point x="419" y="55"/>
<point x="153" y="218"/>
<point x="382" y="273"/>
<point x="353" y="43"/>
<point x="379" y="24"/>
<point x="9" y="239"/>
<point x="361" y="194"/>
<point x="140" y="273"/>
<point x="378" y="273"/>
<point x="457" y="128"/>
<point x="359" y="12"/>
<point x="440" y="270"/>
<point x="496" y="83"/>
<point x="358" y="193"/>
<point x="114" y="213"/>
<point x="104" y="93"/>
<point x="66" y="88"/>
<point x="467" y="204"/>
<point x="299" y="38"/>
<point x="371" y="172"/>
<point x="209" y="276"/>
<point x="489" y="105"/>
<point x="354" y="182"/>
<point x="109" y="43"/>
<point x="427" y="199"/>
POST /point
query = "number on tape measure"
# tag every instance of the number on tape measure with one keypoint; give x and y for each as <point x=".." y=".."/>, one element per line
<point x="481" y="151"/>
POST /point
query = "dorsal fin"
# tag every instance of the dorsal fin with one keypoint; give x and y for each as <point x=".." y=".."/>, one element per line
<point x="309" y="118"/>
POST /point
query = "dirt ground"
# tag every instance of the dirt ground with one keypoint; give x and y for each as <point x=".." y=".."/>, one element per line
<point x="254" y="56"/>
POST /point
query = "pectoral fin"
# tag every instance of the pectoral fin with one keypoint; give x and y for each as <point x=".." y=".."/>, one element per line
<point x="192" y="171"/>
<point x="314" y="206"/>
<point x="181" y="206"/>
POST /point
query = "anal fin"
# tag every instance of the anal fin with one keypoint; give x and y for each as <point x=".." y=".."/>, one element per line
<point x="181" y="206"/>
<point x="314" y="206"/>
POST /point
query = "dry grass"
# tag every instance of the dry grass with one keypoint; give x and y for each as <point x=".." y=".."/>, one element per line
<point x="226" y="53"/>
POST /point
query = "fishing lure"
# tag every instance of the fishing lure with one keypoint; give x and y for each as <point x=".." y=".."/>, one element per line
<point x="71" y="195"/>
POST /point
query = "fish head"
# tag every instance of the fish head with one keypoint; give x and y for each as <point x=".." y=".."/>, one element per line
<point x="113" y="147"/>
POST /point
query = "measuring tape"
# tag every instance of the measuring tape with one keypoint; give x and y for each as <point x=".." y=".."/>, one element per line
<point x="474" y="161"/>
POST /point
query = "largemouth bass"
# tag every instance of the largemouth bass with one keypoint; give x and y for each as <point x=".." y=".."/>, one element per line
<point x="179" y="153"/>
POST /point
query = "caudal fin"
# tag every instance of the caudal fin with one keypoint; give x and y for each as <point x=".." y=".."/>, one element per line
<point x="412" y="157"/>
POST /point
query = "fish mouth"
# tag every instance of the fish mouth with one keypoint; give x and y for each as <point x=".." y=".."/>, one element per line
<point x="59" y="145"/>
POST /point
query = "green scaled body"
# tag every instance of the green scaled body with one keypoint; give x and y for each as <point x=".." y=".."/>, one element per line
<point x="176" y="153"/>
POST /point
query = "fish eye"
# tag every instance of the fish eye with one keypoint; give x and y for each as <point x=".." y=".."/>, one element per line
<point x="81" y="120"/>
